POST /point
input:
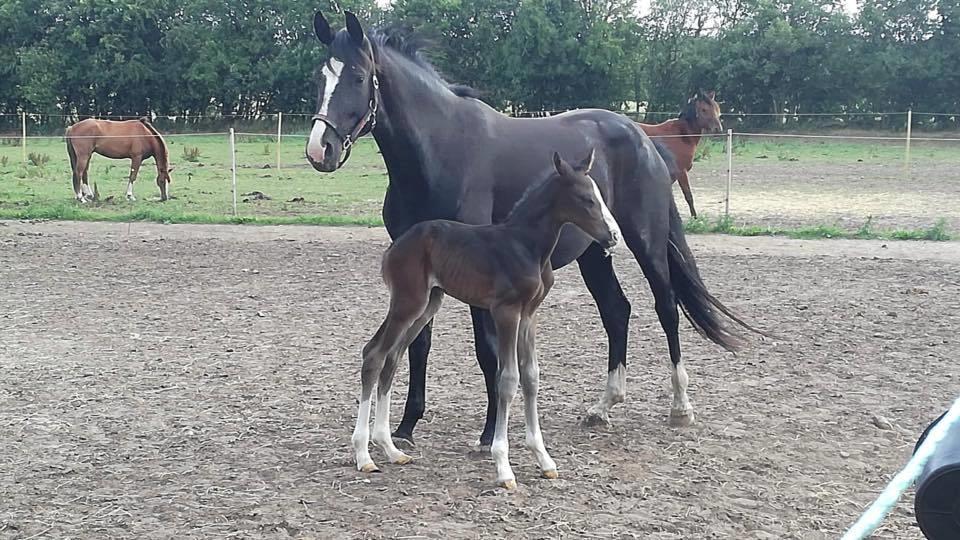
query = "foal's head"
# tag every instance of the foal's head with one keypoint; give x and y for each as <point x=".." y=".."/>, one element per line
<point x="347" y="96"/>
<point x="577" y="200"/>
<point x="703" y="112"/>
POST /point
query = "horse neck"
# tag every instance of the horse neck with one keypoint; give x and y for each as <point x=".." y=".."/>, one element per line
<point x="533" y="220"/>
<point x="159" y="149"/>
<point x="411" y="104"/>
<point x="685" y="127"/>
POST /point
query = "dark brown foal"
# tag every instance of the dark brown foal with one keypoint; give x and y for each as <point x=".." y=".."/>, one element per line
<point x="504" y="268"/>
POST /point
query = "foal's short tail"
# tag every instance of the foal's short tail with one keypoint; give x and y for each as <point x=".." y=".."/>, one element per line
<point x="701" y="308"/>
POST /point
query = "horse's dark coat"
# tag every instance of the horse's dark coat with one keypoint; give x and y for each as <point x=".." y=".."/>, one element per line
<point x="454" y="157"/>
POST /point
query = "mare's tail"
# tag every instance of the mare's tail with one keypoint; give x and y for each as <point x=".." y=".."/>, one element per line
<point x="708" y="315"/>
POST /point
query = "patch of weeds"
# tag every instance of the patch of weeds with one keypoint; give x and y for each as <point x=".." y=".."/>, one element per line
<point x="866" y="230"/>
<point x="38" y="159"/>
<point x="267" y="150"/>
<point x="191" y="154"/>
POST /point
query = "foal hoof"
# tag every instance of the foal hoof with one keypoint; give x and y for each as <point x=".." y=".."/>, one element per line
<point x="370" y="468"/>
<point x="509" y="484"/>
<point x="403" y="460"/>
<point x="681" y="418"/>
<point x="551" y="475"/>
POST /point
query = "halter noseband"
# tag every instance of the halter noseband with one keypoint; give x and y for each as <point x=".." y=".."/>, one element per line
<point x="366" y="125"/>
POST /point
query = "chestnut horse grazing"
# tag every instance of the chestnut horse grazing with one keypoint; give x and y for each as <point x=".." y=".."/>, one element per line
<point x="682" y="134"/>
<point x="504" y="268"/>
<point x="135" y="140"/>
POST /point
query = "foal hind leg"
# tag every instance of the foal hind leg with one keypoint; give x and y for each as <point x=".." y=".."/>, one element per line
<point x="601" y="280"/>
<point x="402" y="314"/>
<point x="653" y="260"/>
<point x="381" y="421"/>
<point x="530" y="382"/>
<point x="134" y="169"/>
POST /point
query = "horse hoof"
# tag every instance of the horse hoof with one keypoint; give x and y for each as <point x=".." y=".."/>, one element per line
<point x="404" y="439"/>
<point x="509" y="484"/>
<point x="681" y="418"/>
<point x="403" y="459"/>
<point x="551" y="475"/>
<point x="131" y="198"/>
<point x="370" y="468"/>
<point x="596" y="418"/>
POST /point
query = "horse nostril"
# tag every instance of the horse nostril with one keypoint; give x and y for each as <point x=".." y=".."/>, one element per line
<point x="327" y="149"/>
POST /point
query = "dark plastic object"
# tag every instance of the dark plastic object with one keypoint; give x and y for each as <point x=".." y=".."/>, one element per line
<point x="937" y="502"/>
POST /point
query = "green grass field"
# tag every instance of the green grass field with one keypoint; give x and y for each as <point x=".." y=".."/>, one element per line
<point x="41" y="188"/>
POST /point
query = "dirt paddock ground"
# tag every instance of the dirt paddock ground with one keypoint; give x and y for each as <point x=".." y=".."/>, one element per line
<point x="200" y="382"/>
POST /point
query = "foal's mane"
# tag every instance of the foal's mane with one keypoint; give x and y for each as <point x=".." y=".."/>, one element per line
<point x="412" y="46"/>
<point x="530" y="197"/>
<point x="161" y="143"/>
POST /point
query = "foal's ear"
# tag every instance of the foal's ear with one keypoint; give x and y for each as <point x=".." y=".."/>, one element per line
<point x="354" y="28"/>
<point x="711" y="95"/>
<point x="587" y="164"/>
<point x="563" y="168"/>
<point x="322" y="29"/>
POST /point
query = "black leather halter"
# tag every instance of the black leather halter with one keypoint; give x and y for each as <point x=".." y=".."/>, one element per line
<point x="366" y="125"/>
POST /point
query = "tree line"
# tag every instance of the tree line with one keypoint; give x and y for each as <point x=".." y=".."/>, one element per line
<point x="253" y="57"/>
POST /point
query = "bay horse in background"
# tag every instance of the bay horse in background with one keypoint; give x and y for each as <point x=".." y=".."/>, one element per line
<point x="135" y="140"/>
<point x="682" y="134"/>
<point x="451" y="156"/>
<point x="504" y="269"/>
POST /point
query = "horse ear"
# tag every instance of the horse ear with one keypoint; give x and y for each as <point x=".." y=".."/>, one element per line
<point x="322" y="28"/>
<point x="587" y="164"/>
<point x="354" y="28"/>
<point x="563" y="168"/>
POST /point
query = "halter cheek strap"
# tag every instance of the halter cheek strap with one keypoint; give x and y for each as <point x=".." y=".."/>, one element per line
<point x="366" y="124"/>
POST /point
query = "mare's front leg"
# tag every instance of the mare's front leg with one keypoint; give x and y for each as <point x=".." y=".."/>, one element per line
<point x="601" y="280"/>
<point x="530" y="382"/>
<point x="507" y="319"/>
<point x="416" y="390"/>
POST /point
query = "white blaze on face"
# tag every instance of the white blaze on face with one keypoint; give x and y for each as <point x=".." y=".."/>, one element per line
<point x="607" y="215"/>
<point x="331" y="76"/>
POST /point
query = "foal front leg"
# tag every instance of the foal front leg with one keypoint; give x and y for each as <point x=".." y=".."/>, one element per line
<point x="508" y="376"/>
<point x="530" y="382"/>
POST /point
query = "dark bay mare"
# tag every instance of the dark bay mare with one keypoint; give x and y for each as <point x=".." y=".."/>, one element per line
<point x="135" y="140"/>
<point x="504" y="269"/>
<point x="451" y="156"/>
<point x="682" y="134"/>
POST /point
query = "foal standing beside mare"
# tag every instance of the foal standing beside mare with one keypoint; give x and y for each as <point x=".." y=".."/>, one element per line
<point x="135" y="140"/>
<point x="682" y="134"/>
<point x="503" y="268"/>
<point x="451" y="156"/>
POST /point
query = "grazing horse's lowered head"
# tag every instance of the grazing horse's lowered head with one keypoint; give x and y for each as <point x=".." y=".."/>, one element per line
<point x="702" y="112"/>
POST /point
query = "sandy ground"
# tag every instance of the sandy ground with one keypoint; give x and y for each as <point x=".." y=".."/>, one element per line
<point x="790" y="194"/>
<point x="200" y="382"/>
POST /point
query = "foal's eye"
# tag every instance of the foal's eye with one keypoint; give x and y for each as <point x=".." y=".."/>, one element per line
<point x="359" y="79"/>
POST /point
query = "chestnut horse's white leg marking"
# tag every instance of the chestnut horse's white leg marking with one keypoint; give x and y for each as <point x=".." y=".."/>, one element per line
<point x="614" y="393"/>
<point x="130" y="196"/>
<point x="681" y="411"/>
<point x="87" y="190"/>
<point x="607" y="217"/>
<point x="331" y="76"/>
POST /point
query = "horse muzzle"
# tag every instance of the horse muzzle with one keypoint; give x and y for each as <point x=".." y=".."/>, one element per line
<point x="324" y="157"/>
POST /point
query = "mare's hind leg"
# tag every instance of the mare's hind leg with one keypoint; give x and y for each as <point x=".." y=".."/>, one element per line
<point x="485" y="345"/>
<point x="653" y="260"/>
<point x="381" y="422"/>
<point x="134" y="169"/>
<point x="530" y="382"/>
<point x="601" y="280"/>
<point x="80" y="179"/>
<point x="405" y="308"/>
